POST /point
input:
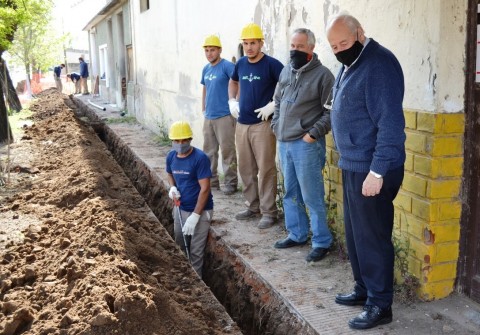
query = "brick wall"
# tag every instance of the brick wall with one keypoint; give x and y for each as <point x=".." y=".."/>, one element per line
<point x="428" y="207"/>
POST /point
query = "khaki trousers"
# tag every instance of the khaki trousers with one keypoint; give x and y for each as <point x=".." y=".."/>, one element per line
<point x="256" y="148"/>
<point x="58" y="83"/>
<point x="221" y="133"/>
<point x="84" y="82"/>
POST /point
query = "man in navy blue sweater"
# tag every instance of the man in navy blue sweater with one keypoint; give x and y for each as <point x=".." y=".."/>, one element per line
<point x="368" y="129"/>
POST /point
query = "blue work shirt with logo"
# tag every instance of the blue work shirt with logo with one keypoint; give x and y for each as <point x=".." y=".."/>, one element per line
<point x="186" y="172"/>
<point x="257" y="82"/>
<point x="215" y="79"/>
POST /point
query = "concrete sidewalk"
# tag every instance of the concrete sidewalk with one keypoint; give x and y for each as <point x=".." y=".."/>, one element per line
<point x="307" y="289"/>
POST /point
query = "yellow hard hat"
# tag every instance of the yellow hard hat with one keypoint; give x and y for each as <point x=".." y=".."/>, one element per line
<point x="252" y="31"/>
<point x="180" y="130"/>
<point x="212" y="41"/>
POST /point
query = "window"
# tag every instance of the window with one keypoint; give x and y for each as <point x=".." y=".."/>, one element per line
<point x="144" y="5"/>
<point x="103" y="51"/>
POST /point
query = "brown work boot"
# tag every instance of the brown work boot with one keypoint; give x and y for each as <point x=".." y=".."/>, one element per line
<point x="246" y="214"/>
<point x="266" y="222"/>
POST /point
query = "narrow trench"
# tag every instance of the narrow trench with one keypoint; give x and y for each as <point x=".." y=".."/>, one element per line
<point x="247" y="298"/>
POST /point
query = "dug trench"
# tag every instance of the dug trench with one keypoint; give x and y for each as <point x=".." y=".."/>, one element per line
<point x="96" y="256"/>
<point x="248" y="298"/>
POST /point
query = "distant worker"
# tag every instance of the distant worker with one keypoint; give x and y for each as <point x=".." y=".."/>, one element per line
<point x="219" y="124"/>
<point x="253" y="84"/>
<point x="84" y="75"/>
<point x="76" y="79"/>
<point x="189" y="176"/>
<point x="57" y="70"/>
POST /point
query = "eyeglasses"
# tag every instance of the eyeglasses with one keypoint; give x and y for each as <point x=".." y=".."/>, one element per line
<point x="329" y="105"/>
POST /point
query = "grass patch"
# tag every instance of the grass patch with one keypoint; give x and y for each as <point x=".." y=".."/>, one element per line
<point x="19" y="120"/>
<point x="125" y="119"/>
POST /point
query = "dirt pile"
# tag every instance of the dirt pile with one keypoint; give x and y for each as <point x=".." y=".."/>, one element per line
<point x="94" y="259"/>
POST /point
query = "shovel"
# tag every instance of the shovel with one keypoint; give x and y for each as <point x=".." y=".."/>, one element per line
<point x="186" y="239"/>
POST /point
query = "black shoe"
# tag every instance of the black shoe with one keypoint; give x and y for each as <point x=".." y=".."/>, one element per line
<point x="351" y="299"/>
<point x="371" y="316"/>
<point x="317" y="254"/>
<point x="287" y="243"/>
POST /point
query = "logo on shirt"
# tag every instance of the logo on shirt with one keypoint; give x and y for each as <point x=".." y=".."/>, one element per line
<point x="251" y="77"/>
<point x="210" y="77"/>
<point x="181" y="172"/>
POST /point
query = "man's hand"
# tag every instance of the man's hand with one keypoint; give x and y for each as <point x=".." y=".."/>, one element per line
<point x="174" y="193"/>
<point x="190" y="224"/>
<point x="266" y="111"/>
<point x="371" y="185"/>
<point x="234" y="107"/>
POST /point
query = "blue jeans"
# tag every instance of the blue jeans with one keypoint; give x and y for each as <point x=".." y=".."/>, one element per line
<point x="302" y="164"/>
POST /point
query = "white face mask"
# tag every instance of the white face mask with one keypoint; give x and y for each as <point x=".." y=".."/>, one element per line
<point x="181" y="148"/>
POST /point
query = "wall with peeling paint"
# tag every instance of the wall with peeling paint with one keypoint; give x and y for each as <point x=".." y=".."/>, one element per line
<point x="427" y="36"/>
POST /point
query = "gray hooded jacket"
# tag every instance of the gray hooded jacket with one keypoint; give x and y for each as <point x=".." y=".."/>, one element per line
<point x="299" y="99"/>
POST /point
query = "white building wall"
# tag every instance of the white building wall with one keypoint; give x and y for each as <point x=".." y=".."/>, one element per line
<point x="427" y="36"/>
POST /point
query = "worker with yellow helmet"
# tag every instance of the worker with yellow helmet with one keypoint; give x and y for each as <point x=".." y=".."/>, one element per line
<point x="251" y="90"/>
<point x="219" y="124"/>
<point x="189" y="176"/>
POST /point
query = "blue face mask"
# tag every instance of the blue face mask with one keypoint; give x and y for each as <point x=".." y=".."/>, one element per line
<point x="181" y="148"/>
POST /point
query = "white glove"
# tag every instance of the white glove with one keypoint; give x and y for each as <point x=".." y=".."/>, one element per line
<point x="266" y="111"/>
<point x="174" y="193"/>
<point x="190" y="224"/>
<point x="234" y="107"/>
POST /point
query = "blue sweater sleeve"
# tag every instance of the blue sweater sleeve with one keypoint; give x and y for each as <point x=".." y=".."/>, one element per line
<point x="384" y="95"/>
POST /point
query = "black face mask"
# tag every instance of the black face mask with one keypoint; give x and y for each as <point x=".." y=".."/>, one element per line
<point x="348" y="56"/>
<point x="298" y="58"/>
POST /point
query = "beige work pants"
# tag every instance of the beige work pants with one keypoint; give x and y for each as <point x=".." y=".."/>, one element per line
<point x="256" y="148"/>
<point x="221" y="133"/>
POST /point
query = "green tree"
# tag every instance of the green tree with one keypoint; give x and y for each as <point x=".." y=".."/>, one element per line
<point x="35" y="47"/>
<point x="10" y="18"/>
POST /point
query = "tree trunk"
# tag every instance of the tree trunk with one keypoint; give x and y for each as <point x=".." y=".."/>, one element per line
<point x="12" y="97"/>
<point x="6" y="135"/>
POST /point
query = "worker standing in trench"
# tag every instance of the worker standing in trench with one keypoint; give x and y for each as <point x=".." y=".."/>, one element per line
<point x="189" y="176"/>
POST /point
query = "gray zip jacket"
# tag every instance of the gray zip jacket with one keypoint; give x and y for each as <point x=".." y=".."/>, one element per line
<point x="299" y="99"/>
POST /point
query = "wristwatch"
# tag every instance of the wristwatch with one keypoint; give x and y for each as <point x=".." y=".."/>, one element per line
<point x="376" y="175"/>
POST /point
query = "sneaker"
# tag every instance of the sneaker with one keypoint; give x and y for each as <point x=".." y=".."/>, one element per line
<point x="245" y="215"/>
<point x="86" y="93"/>
<point x="266" y="222"/>
<point x="229" y="190"/>
<point x="317" y="254"/>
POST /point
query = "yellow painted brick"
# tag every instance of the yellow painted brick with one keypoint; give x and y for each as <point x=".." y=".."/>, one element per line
<point x="328" y="155"/>
<point x="445" y="252"/>
<point x="448" y="167"/>
<point x="335" y="157"/>
<point x="409" y="161"/>
<point x="415" y="266"/>
<point x="415" y="226"/>
<point x="424" y="209"/>
<point x="439" y="272"/>
<point x="329" y="141"/>
<point x="426" y="122"/>
<point x="446" y="232"/>
<point x="415" y="184"/>
<point x="331" y="174"/>
<point x="416" y="142"/>
<point x="445" y="145"/>
<point x="450" y="210"/>
<point x="410" y="119"/>
<point x="453" y="123"/>
<point x="422" y="165"/>
<point x="403" y="201"/>
<point x="419" y="249"/>
<point x="438" y="290"/>
<point x="438" y="189"/>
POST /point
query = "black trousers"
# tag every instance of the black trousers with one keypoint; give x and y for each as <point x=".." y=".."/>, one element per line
<point x="368" y="232"/>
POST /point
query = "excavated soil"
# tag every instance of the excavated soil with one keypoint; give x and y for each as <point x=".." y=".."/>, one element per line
<point x="92" y="258"/>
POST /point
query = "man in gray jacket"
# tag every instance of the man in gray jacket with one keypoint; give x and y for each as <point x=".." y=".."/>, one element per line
<point x="300" y="123"/>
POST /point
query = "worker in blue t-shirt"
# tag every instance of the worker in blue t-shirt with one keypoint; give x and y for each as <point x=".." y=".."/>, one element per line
<point x="251" y="91"/>
<point x="219" y="124"/>
<point x="189" y="176"/>
<point x="57" y="70"/>
<point x="75" y="78"/>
